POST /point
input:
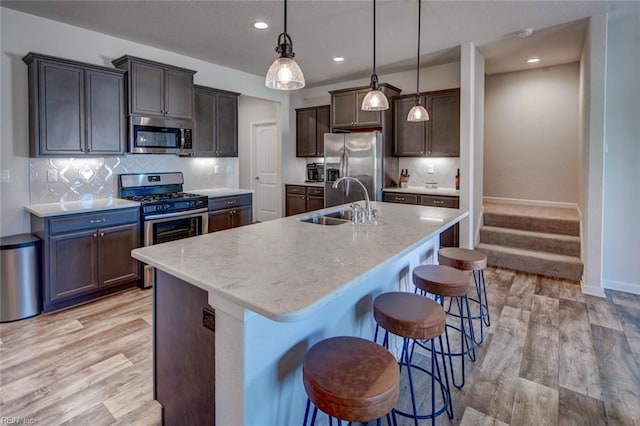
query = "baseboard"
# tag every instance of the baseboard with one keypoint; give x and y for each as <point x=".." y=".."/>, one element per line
<point x="537" y="203"/>
<point x="621" y="286"/>
<point x="592" y="290"/>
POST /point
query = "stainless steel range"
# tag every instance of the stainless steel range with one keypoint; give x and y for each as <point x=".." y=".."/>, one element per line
<point x="167" y="212"/>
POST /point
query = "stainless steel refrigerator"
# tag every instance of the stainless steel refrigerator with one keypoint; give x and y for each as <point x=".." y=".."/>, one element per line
<point x="358" y="155"/>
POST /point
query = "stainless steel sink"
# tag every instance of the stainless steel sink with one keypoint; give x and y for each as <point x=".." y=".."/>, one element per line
<point x="324" y="220"/>
<point x="342" y="214"/>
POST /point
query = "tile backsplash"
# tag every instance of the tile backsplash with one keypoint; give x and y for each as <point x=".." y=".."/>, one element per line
<point x="80" y="179"/>
<point x="444" y="170"/>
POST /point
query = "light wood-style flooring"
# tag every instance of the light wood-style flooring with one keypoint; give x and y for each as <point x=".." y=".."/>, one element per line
<point x="553" y="356"/>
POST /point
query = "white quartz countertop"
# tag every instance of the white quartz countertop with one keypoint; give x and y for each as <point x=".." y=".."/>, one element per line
<point x="303" y="183"/>
<point x="221" y="192"/>
<point x="424" y="190"/>
<point x="73" y="207"/>
<point x="285" y="269"/>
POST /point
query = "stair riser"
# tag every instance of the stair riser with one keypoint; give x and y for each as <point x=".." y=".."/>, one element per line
<point x="554" y="226"/>
<point x="547" y="268"/>
<point x="549" y="245"/>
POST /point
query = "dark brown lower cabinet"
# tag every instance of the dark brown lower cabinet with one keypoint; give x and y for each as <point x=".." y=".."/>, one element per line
<point x="230" y="212"/>
<point x="450" y="237"/>
<point x="87" y="255"/>
<point x="302" y="199"/>
<point x="184" y="352"/>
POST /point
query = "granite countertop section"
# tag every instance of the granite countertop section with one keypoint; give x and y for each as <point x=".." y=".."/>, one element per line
<point x="303" y="183"/>
<point x="272" y="269"/>
<point x="426" y="191"/>
<point x="73" y="207"/>
<point x="221" y="192"/>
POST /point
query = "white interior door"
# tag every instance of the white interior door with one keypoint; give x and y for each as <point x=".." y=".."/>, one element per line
<point x="265" y="170"/>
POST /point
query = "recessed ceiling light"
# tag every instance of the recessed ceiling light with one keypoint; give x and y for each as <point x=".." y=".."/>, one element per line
<point x="260" y="25"/>
<point x="338" y="59"/>
<point x="533" y="60"/>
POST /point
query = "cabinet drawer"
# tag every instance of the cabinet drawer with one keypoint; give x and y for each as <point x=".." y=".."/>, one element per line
<point x="391" y="197"/>
<point x="430" y="200"/>
<point x="318" y="192"/>
<point x="295" y="189"/>
<point x="93" y="220"/>
<point x="228" y="202"/>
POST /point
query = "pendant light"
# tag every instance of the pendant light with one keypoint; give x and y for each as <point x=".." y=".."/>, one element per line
<point x="418" y="112"/>
<point x="284" y="73"/>
<point x="375" y="100"/>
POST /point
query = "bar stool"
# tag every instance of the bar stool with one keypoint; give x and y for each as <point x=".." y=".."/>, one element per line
<point x="351" y="379"/>
<point x="443" y="281"/>
<point x="476" y="262"/>
<point x="416" y="320"/>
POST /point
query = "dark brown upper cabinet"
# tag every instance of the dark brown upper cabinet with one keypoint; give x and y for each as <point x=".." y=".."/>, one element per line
<point x="157" y="89"/>
<point x="216" y="123"/>
<point x="311" y="125"/>
<point x="346" y="112"/>
<point x="74" y="108"/>
<point x="438" y="137"/>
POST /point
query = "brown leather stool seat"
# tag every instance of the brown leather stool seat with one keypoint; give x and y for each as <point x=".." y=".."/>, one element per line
<point x="418" y="321"/>
<point x="474" y="261"/>
<point x="350" y="378"/>
<point x="446" y="282"/>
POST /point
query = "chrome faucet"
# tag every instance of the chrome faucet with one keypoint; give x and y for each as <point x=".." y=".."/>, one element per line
<point x="369" y="213"/>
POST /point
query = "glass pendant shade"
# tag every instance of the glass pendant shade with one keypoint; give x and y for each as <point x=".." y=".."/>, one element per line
<point x="418" y="113"/>
<point x="375" y="100"/>
<point x="284" y="74"/>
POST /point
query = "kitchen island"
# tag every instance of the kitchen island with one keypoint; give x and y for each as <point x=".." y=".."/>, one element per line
<point x="276" y="288"/>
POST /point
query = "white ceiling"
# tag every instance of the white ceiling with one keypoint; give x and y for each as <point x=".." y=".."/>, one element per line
<point x="219" y="31"/>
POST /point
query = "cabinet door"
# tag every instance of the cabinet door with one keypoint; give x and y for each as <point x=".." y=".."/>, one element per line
<point x="342" y="109"/>
<point x="147" y="96"/>
<point x="178" y="94"/>
<point x="365" y="118"/>
<point x="61" y="91"/>
<point x="105" y="112"/>
<point x="219" y="220"/>
<point x="444" y="132"/>
<point x="314" y="203"/>
<point x="73" y="268"/>
<point x="241" y="216"/>
<point x="296" y="204"/>
<point x="323" y="125"/>
<point x="390" y="197"/>
<point x="450" y="238"/>
<point x="205" y="124"/>
<point x="114" y="248"/>
<point x="409" y="138"/>
<point x="227" y="125"/>
<point x="306" y="133"/>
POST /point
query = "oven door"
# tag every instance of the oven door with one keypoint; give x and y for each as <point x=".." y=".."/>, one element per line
<point x="170" y="227"/>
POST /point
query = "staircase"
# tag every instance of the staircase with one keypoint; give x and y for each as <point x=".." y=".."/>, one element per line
<point x="538" y="240"/>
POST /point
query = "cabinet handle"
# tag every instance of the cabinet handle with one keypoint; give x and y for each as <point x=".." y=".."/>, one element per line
<point x="400" y="198"/>
<point x="95" y="235"/>
<point x="438" y="202"/>
<point x="88" y="149"/>
<point x="97" y="220"/>
<point x="230" y="203"/>
<point x="102" y="234"/>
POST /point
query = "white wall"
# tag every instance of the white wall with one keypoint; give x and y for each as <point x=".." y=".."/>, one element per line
<point x="621" y="233"/>
<point x="531" y="134"/>
<point x="22" y="33"/>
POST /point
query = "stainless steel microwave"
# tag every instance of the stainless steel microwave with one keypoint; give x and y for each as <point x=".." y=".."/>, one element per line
<point x="150" y="135"/>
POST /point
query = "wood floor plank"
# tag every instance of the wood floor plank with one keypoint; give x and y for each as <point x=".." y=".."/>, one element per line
<point x="623" y="408"/>
<point x="571" y="291"/>
<point x="148" y="415"/>
<point x="522" y="291"/>
<point x="576" y="409"/>
<point x="540" y="357"/>
<point x="133" y="394"/>
<point x="630" y="319"/>
<point x="616" y="363"/>
<point x="494" y="389"/>
<point x="549" y="287"/>
<point x="534" y="404"/>
<point x="576" y="350"/>
<point x="473" y="417"/>
<point x="625" y="299"/>
<point x="96" y="415"/>
<point x="601" y="312"/>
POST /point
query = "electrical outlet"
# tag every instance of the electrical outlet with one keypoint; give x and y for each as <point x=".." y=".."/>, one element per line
<point x="5" y="176"/>
<point x="431" y="169"/>
<point x="52" y="175"/>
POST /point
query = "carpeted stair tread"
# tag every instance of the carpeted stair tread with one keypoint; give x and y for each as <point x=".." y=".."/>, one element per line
<point x="556" y="225"/>
<point x="541" y="241"/>
<point x="532" y="261"/>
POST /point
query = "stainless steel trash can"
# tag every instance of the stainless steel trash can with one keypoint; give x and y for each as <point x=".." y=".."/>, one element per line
<point x="20" y="285"/>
